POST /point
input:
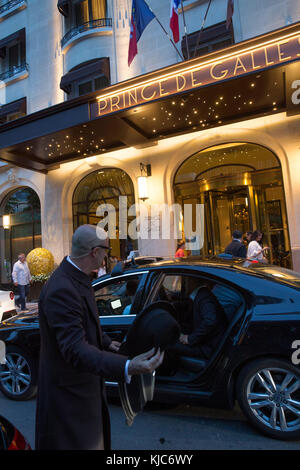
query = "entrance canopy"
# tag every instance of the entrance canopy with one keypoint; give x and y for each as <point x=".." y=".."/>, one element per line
<point x="250" y="79"/>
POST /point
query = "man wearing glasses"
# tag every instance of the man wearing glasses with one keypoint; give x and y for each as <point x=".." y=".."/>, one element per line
<point x="76" y="356"/>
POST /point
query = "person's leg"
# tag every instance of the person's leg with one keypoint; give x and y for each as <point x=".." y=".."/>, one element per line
<point x="17" y="296"/>
<point x="22" y="297"/>
<point x="26" y="293"/>
<point x="172" y="356"/>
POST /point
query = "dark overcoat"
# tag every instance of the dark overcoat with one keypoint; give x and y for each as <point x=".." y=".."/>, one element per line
<point x="72" y="411"/>
<point x="236" y="248"/>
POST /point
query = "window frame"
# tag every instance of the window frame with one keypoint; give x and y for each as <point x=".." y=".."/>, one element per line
<point x="75" y="92"/>
<point x="71" y="20"/>
<point x="227" y="35"/>
<point x="123" y="277"/>
<point x="5" y="61"/>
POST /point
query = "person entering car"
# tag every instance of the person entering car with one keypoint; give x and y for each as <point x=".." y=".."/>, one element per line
<point x="209" y="324"/>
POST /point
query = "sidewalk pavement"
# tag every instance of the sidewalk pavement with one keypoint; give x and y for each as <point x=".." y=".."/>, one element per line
<point x="30" y="306"/>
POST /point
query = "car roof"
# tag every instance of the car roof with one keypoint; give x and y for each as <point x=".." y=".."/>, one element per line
<point x="131" y="267"/>
<point x="266" y="271"/>
<point x="194" y="261"/>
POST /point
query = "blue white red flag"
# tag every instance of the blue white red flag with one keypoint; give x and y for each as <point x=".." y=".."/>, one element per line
<point x="174" y="22"/>
<point x="141" y="15"/>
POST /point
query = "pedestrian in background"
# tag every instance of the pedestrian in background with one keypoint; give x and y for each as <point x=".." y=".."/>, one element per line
<point x="180" y="249"/>
<point x="255" y="248"/>
<point x="247" y="237"/>
<point x="236" y="247"/>
<point x="22" y="279"/>
<point x="76" y="356"/>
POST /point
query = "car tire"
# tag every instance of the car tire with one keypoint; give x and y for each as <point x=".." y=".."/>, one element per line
<point x="18" y="377"/>
<point x="268" y="392"/>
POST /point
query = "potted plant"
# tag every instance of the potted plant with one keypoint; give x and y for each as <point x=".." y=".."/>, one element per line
<point x="41" y="264"/>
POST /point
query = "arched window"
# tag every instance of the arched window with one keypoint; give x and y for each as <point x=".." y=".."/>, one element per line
<point x="241" y="187"/>
<point x="104" y="186"/>
<point x="23" y="228"/>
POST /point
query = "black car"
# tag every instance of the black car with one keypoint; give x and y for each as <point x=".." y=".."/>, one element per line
<point x="256" y="362"/>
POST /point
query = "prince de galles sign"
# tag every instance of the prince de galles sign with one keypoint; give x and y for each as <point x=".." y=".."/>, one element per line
<point x="198" y="73"/>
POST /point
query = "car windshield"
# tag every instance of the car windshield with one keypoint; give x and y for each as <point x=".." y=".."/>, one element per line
<point x="275" y="272"/>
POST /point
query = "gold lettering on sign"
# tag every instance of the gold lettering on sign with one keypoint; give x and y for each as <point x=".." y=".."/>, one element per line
<point x="253" y="63"/>
<point x="132" y="95"/>
<point x="212" y="70"/>
<point x="194" y="80"/>
<point x="115" y="105"/>
<point x="143" y="94"/>
<point x="239" y="64"/>
<point x="266" y="57"/>
<point x="101" y="108"/>
<point x="281" y="53"/>
<point x="272" y="53"/>
<point x="161" y="89"/>
<point x="177" y="82"/>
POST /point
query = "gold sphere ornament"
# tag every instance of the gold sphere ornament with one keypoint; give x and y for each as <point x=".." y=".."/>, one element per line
<point x="40" y="261"/>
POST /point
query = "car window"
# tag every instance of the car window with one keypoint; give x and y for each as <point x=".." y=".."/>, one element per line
<point x="116" y="297"/>
<point x="181" y="290"/>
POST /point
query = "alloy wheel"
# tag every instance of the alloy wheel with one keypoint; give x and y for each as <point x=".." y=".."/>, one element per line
<point x="273" y="396"/>
<point x="15" y="375"/>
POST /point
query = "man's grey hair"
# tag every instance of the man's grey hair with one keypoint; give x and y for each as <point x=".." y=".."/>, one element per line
<point x="85" y="238"/>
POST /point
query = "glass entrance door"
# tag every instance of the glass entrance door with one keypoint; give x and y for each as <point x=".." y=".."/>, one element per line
<point x="272" y="220"/>
<point x="241" y="187"/>
<point x="227" y="210"/>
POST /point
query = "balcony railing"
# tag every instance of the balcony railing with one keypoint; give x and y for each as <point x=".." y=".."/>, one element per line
<point x="100" y="23"/>
<point x="7" y="6"/>
<point x="12" y="71"/>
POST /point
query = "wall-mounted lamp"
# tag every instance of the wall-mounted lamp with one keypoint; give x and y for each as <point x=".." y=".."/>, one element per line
<point x="143" y="181"/>
<point x="6" y="221"/>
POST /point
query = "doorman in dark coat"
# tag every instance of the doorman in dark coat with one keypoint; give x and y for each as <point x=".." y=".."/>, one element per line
<point x="76" y="355"/>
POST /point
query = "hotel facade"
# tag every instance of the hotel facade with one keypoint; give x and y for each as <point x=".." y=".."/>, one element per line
<point x="215" y="122"/>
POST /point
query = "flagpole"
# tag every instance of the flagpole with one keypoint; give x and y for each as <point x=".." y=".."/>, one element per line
<point x="166" y="33"/>
<point x="185" y="31"/>
<point x="202" y="26"/>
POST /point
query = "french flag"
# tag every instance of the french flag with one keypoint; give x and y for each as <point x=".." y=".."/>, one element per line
<point x="141" y="15"/>
<point x="174" y="23"/>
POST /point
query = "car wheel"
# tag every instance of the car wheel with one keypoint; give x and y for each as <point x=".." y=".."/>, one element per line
<point x="268" y="392"/>
<point x="18" y="376"/>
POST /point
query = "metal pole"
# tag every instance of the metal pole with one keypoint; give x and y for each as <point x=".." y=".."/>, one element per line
<point x="170" y="39"/>
<point x="202" y="26"/>
<point x="185" y="31"/>
<point x="164" y="30"/>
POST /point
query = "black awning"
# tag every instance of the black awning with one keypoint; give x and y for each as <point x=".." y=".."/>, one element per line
<point x="18" y="106"/>
<point x="98" y="66"/>
<point x="71" y="130"/>
<point x="4" y="42"/>
<point x="63" y="7"/>
<point x="203" y="93"/>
